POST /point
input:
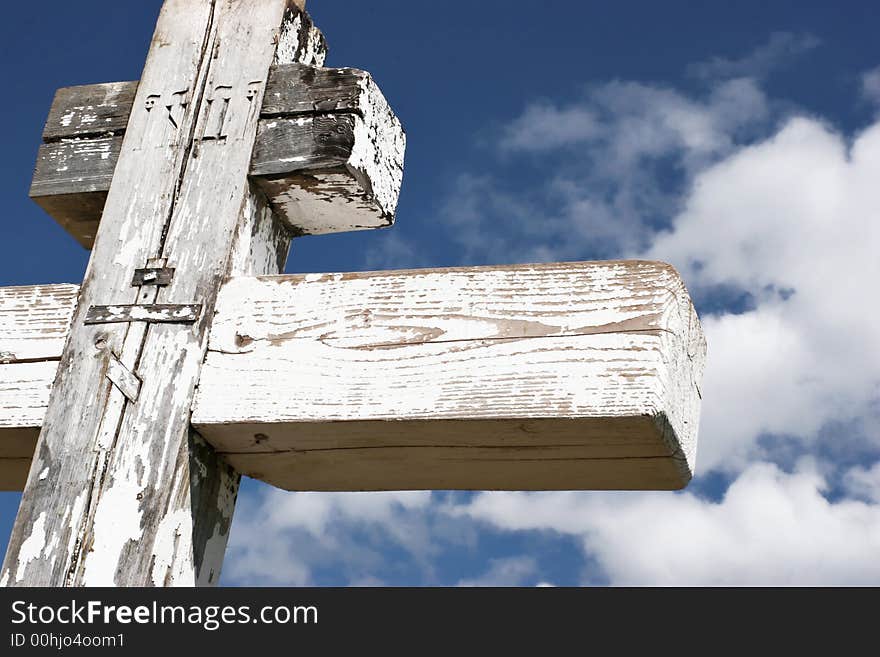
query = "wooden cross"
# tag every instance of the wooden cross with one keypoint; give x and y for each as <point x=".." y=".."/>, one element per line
<point x="184" y="360"/>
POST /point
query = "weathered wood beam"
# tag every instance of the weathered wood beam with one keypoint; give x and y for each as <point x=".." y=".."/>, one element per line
<point x="121" y="491"/>
<point x="557" y="376"/>
<point x="329" y="150"/>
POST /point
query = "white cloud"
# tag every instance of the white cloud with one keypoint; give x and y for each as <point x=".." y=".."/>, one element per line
<point x="391" y="250"/>
<point x="629" y="121"/>
<point x="510" y="571"/>
<point x="798" y="213"/>
<point x="770" y="528"/>
<point x="280" y="538"/>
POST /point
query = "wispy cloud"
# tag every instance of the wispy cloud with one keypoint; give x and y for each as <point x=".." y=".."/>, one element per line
<point x="288" y="539"/>
<point x="546" y="126"/>
<point x="394" y="251"/>
<point x="781" y="50"/>
<point x="871" y="85"/>
<point x="603" y="186"/>
<point x="864" y="483"/>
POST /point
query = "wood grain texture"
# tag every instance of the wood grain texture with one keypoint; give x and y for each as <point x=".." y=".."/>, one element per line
<point x="34" y="323"/>
<point x="299" y="39"/>
<point x="82" y="139"/>
<point x="319" y="382"/>
<point x="130" y="495"/>
<point x="24" y="396"/>
<point x="90" y="110"/>
<point x="296" y="89"/>
<point x="71" y="180"/>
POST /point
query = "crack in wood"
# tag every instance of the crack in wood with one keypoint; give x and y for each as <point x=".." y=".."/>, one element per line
<point x="510" y="448"/>
<point x="246" y="340"/>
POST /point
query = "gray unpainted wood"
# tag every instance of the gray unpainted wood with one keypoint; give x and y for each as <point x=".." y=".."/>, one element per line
<point x="90" y="110"/>
<point x="314" y="121"/>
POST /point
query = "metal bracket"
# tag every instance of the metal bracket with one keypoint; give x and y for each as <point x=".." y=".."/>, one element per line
<point x="152" y="276"/>
<point x="127" y="381"/>
<point x="156" y="313"/>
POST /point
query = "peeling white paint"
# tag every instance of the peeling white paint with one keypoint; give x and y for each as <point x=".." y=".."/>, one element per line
<point x="32" y="546"/>
<point x="172" y="551"/>
<point x="379" y="146"/>
<point x="117" y="522"/>
<point x="295" y="46"/>
<point x="361" y="195"/>
<point x="316" y="331"/>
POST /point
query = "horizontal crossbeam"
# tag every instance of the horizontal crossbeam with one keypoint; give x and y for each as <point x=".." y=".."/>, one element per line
<point x="557" y="376"/>
<point x="328" y="154"/>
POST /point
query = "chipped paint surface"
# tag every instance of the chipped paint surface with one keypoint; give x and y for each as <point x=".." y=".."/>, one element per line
<point x="379" y="146"/>
<point x="123" y="378"/>
<point x="117" y="521"/>
<point x="300" y="41"/>
<point x="24" y="396"/>
<point x="33" y="546"/>
<point x="154" y="313"/>
<point x="89" y="111"/>
<point x="261" y="245"/>
<point x="172" y="551"/>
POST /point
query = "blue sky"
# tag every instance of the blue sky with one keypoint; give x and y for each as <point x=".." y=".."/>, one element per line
<point x="739" y="141"/>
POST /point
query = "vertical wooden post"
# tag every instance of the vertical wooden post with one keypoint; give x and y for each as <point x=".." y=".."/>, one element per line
<point x="121" y="491"/>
